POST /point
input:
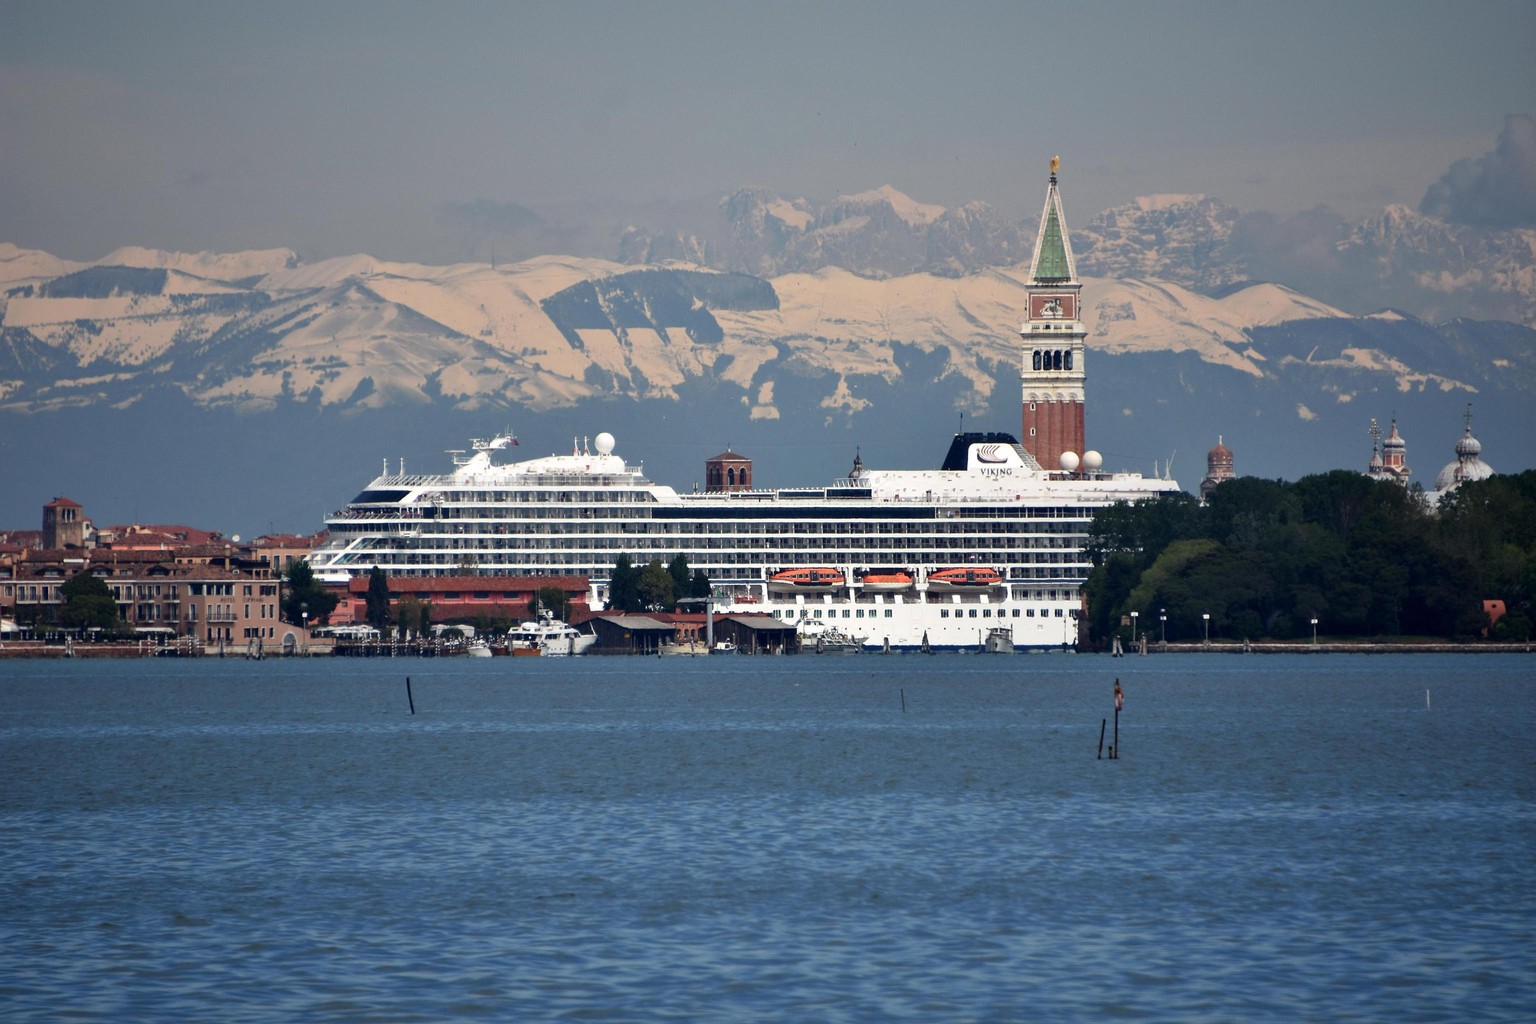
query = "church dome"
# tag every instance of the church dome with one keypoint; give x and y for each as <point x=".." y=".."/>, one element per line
<point x="1468" y="465"/>
<point x="1394" y="439"/>
<point x="1461" y="471"/>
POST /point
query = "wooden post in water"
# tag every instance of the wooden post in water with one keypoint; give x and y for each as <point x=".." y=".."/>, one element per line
<point x="903" y="700"/>
<point x="411" y="700"/>
<point x="1114" y="751"/>
<point x="1102" y="723"/>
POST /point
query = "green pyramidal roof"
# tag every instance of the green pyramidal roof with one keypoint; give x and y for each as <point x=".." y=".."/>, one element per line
<point x="1053" y="256"/>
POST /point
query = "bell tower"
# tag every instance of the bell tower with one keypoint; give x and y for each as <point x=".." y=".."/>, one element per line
<point x="1054" y="376"/>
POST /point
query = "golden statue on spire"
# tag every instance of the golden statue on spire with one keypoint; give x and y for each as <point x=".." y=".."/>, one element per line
<point x="1055" y="164"/>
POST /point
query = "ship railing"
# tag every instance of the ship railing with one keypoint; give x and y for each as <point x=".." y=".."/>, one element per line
<point x="415" y="480"/>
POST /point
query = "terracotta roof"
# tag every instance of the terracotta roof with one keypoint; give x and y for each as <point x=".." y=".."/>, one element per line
<point x="286" y="540"/>
<point x="63" y="503"/>
<point x="167" y="532"/>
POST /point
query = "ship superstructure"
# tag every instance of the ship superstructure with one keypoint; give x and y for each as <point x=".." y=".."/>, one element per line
<point x="990" y="541"/>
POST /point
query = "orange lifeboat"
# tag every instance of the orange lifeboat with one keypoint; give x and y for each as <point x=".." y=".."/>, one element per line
<point x="965" y="578"/>
<point x="813" y="577"/>
<point x="886" y="582"/>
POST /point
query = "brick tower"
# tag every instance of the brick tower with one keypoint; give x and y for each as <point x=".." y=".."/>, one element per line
<point x="1054" y="375"/>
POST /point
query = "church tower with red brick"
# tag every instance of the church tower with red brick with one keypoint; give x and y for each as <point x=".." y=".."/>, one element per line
<point x="1054" y="375"/>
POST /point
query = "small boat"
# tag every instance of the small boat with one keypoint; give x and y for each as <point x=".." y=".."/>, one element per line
<point x="478" y="649"/>
<point x="807" y="578"/>
<point x="834" y="641"/>
<point x="964" y="578"/>
<point x="724" y="647"/>
<point x="999" y="640"/>
<point x="691" y="648"/>
<point x="886" y="582"/>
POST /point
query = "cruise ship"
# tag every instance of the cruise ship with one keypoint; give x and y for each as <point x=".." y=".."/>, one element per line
<point x="990" y="541"/>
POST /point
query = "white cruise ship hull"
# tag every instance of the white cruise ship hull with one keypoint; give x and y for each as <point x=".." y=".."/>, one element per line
<point x="990" y="508"/>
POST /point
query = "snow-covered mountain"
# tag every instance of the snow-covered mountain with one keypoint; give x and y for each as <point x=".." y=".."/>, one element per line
<point x="1399" y="258"/>
<point x="553" y="332"/>
<point x="1181" y="238"/>
<point x="879" y="233"/>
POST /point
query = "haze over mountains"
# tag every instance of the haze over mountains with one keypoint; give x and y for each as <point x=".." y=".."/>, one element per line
<point x="255" y="391"/>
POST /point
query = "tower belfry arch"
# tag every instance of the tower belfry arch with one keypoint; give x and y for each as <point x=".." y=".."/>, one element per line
<point x="1054" y="372"/>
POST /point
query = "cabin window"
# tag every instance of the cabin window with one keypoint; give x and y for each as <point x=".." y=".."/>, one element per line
<point x="943" y="613"/>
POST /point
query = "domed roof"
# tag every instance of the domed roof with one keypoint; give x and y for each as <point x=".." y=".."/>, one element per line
<point x="1220" y="455"/>
<point x="1461" y="471"/>
<point x="1468" y="445"/>
<point x="1394" y="439"/>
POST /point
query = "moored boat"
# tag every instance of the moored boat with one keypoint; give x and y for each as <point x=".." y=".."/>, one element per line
<point x="834" y="641"/>
<point x="549" y="636"/>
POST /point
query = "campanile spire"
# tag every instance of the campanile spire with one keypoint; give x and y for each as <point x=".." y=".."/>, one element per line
<point x="1053" y="376"/>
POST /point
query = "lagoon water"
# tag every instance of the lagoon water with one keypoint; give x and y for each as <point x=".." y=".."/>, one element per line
<point x="769" y="839"/>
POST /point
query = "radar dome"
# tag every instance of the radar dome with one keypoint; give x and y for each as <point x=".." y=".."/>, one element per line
<point x="1092" y="460"/>
<point x="1069" y="461"/>
<point x="604" y="443"/>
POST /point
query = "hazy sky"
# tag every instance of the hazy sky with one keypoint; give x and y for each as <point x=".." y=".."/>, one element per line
<point x="343" y="127"/>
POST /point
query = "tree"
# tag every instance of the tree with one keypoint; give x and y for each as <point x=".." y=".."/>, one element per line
<point x="623" y="589"/>
<point x="306" y="593"/>
<point x="377" y="601"/>
<point x="412" y="616"/>
<point x="553" y="600"/>
<point x="88" y="603"/>
<point x="655" y="587"/>
<point x="681" y="576"/>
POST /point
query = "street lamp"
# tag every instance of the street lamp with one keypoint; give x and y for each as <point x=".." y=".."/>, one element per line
<point x="1314" y="631"/>
<point x="1207" y="617"/>
<point x="1134" y="636"/>
<point x="1162" y="622"/>
<point x="304" y="614"/>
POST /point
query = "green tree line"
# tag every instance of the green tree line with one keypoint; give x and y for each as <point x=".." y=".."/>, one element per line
<point x="1366" y="558"/>
<point x="656" y="587"/>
